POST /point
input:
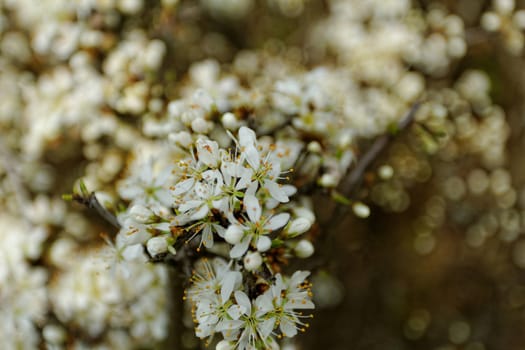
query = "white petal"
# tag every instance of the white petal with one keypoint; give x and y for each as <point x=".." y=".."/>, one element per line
<point x="288" y="327"/>
<point x="289" y="190"/>
<point x="297" y="278"/>
<point x="235" y="311"/>
<point x="277" y="221"/>
<point x="252" y="188"/>
<point x="276" y="191"/>
<point x="247" y="136"/>
<point x="183" y="186"/>
<point x="207" y="236"/>
<point x="189" y="205"/>
<point x="264" y="243"/>
<point x="219" y="229"/>
<point x="252" y="157"/>
<point x="134" y="252"/>
<point x="239" y="249"/>
<point x="244" y="179"/>
<point x="252" y="207"/>
<point x="300" y="303"/>
<point x="243" y="300"/>
<point x="229" y="281"/>
<point x="264" y="304"/>
<point x="208" y="152"/>
<point x="266" y="327"/>
<point x="200" y="213"/>
<point x="228" y="325"/>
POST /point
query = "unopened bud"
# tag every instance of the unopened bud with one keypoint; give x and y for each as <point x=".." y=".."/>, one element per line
<point x="252" y="261"/>
<point x="229" y="121"/>
<point x="182" y="138"/>
<point x="304" y="249"/>
<point x="157" y="245"/>
<point x="233" y="234"/>
<point x="361" y="210"/>
<point x="299" y="226"/>
<point x="224" y="345"/>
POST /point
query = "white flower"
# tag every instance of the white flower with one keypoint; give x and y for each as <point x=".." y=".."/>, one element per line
<point x="279" y="302"/>
<point x="265" y="170"/>
<point x="210" y="293"/>
<point x="257" y="228"/>
<point x="211" y="278"/>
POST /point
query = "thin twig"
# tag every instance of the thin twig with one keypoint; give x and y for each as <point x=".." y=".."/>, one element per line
<point x="354" y="178"/>
<point x="90" y="201"/>
<point x="352" y="181"/>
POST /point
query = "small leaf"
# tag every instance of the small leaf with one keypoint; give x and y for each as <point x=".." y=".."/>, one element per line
<point x="341" y="199"/>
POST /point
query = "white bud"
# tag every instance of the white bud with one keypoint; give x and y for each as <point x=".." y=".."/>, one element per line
<point x="519" y="19"/>
<point x="386" y="172"/>
<point x="229" y="121"/>
<point x="490" y="21"/>
<point x="304" y="249"/>
<point x="200" y="125"/>
<point x="182" y="138"/>
<point x="299" y="226"/>
<point x="233" y="234"/>
<point x="157" y="245"/>
<point x="304" y="212"/>
<point x="328" y="180"/>
<point x="252" y="261"/>
<point x="224" y="345"/>
<point x="314" y="147"/>
<point x="361" y="210"/>
<point x="54" y="334"/>
<point x="504" y="6"/>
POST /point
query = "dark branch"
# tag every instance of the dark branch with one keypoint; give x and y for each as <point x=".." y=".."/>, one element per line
<point x="90" y="201"/>
<point x="354" y="178"/>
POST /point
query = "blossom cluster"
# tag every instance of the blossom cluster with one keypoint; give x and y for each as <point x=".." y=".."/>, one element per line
<point x="232" y="197"/>
<point x="220" y="305"/>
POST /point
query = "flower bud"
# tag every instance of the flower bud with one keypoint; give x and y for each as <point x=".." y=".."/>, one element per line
<point x="224" y="345"/>
<point x="304" y="249"/>
<point x="299" y="226"/>
<point x="361" y="210"/>
<point x="328" y="180"/>
<point x="252" y="261"/>
<point x="157" y="245"/>
<point x="233" y="234"/>
<point x="182" y="138"/>
<point x="229" y="121"/>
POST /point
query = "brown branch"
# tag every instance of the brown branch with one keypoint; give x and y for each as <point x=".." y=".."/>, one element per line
<point x="352" y="181"/>
<point x="89" y="200"/>
<point x="354" y="178"/>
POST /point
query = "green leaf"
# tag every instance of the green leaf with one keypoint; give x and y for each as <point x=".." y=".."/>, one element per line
<point x="341" y="199"/>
